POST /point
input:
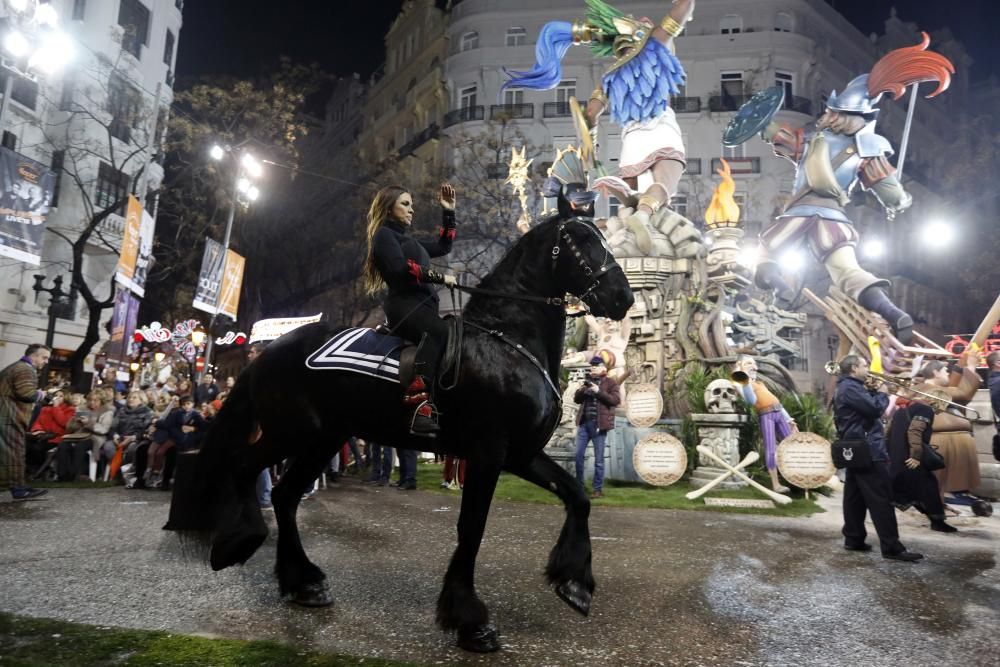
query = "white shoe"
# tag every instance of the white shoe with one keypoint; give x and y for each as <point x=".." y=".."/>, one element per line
<point x="638" y="224"/>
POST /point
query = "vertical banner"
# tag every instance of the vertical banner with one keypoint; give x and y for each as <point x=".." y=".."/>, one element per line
<point x="117" y="347"/>
<point x="232" y="282"/>
<point x="26" y="190"/>
<point x="129" y="346"/>
<point x="125" y="271"/>
<point x="145" y="257"/>
<point x="210" y="278"/>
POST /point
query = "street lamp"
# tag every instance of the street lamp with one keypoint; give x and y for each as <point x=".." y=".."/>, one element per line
<point x="57" y="303"/>
<point x="159" y="356"/>
<point x="31" y="34"/>
<point x="245" y="192"/>
<point x="198" y="336"/>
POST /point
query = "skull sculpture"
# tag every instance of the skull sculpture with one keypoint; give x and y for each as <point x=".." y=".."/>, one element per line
<point x="719" y="396"/>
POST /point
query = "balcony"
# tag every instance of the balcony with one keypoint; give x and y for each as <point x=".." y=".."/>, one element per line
<point x="555" y="110"/>
<point x="726" y="102"/>
<point x="464" y="115"/>
<point x="799" y="104"/>
<point x="511" y="111"/>
<point x="738" y="165"/>
<point x="693" y="166"/>
<point x="685" y="104"/>
<point x="429" y="132"/>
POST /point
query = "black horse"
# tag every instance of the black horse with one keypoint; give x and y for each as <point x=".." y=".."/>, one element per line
<point x="498" y="417"/>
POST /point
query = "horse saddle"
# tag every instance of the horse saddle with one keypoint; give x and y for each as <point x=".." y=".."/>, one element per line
<point x="378" y="354"/>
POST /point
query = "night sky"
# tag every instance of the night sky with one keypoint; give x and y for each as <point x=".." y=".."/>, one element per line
<point x="243" y="37"/>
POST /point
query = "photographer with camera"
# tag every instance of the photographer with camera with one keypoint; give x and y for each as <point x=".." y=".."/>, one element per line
<point x="597" y="398"/>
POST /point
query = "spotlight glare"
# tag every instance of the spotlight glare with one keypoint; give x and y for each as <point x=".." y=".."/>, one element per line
<point x="217" y="153"/>
<point x="938" y="234"/>
<point x="873" y="248"/>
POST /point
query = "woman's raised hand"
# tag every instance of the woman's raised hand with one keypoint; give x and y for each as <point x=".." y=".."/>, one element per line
<point x="446" y="197"/>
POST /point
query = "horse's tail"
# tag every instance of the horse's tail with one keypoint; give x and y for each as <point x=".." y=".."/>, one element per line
<point x="214" y="499"/>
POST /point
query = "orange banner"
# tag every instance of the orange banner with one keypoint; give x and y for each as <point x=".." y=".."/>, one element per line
<point x="232" y="282"/>
<point x="125" y="272"/>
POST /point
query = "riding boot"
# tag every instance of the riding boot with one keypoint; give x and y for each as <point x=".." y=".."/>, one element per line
<point x="768" y="276"/>
<point x="424" y="420"/>
<point x="875" y="299"/>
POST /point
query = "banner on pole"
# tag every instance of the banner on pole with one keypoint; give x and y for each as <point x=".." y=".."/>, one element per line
<point x="124" y="318"/>
<point x="125" y="271"/>
<point x="232" y="282"/>
<point x="145" y="256"/>
<point x="210" y="278"/>
<point x="26" y="188"/>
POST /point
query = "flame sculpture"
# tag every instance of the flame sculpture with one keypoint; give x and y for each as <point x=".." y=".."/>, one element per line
<point x="723" y="211"/>
<point x="517" y="177"/>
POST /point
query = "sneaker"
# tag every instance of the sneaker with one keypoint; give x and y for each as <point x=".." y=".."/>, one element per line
<point x="597" y="494"/>
<point x="27" y="493"/>
<point x="445" y="484"/>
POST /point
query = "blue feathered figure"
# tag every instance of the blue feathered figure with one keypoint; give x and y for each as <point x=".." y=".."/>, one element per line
<point x="636" y="91"/>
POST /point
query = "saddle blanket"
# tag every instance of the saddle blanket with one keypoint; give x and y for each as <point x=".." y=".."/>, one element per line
<point x="360" y="350"/>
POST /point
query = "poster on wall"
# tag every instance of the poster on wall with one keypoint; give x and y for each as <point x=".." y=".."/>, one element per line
<point x="145" y="256"/>
<point x="26" y="188"/>
<point x="210" y="277"/>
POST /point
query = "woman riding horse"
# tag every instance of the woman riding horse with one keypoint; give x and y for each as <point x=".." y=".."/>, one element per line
<point x="402" y="263"/>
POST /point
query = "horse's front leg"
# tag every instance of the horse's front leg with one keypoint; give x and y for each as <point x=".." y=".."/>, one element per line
<point x="299" y="579"/>
<point x="459" y="608"/>
<point x="569" y="562"/>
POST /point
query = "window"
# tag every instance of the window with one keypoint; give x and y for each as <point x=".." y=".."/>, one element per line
<point x="514" y="96"/>
<point x="565" y="90"/>
<point x="112" y="186"/>
<point x="133" y="16"/>
<point x="57" y="168"/>
<point x="68" y="91"/>
<point x="79" y="9"/>
<point x="785" y="80"/>
<point x="467" y="97"/>
<point x="730" y="24"/>
<point x="783" y="22"/>
<point x="732" y="85"/>
<point x="613" y="206"/>
<point x="470" y="40"/>
<point x="168" y="50"/>
<point x="516" y="36"/>
<point x="9" y="140"/>
<point x="123" y="105"/>
<point x="741" y="200"/>
<point x="23" y="91"/>
<point x="679" y="203"/>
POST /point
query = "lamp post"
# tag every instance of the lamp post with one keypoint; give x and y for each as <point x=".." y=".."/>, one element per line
<point x="244" y="192"/>
<point x="57" y="302"/>
<point x="30" y="36"/>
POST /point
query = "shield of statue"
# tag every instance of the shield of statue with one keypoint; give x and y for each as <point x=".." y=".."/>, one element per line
<point x="753" y="116"/>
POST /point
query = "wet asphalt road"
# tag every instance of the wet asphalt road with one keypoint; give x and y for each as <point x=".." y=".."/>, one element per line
<point x="674" y="588"/>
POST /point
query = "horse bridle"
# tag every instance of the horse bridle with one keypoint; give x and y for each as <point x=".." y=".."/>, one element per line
<point x="595" y="276"/>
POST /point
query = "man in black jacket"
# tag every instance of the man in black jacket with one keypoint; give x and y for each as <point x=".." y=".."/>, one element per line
<point x="857" y="412"/>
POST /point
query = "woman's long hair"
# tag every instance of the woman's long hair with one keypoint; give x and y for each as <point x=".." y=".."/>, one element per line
<point x="378" y="213"/>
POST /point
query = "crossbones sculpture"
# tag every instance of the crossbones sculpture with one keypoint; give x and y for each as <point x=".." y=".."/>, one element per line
<point x="738" y="471"/>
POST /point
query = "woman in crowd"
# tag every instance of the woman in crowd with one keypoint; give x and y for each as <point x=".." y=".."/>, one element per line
<point x="128" y="429"/>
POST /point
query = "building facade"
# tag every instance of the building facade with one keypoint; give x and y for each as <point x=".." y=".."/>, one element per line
<point x="98" y="123"/>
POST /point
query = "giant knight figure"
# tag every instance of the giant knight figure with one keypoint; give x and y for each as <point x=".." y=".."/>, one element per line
<point x="841" y="151"/>
<point x="636" y="89"/>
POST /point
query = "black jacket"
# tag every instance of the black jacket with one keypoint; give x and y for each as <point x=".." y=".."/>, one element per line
<point x="994" y="382"/>
<point x="857" y="413"/>
<point x="405" y="263"/>
<point x="129" y="421"/>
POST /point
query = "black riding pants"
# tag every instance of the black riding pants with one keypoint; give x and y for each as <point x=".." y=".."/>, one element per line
<point x="411" y="317"/>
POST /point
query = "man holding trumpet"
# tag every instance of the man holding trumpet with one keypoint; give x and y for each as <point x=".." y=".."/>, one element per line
<point x="857" y="413"/>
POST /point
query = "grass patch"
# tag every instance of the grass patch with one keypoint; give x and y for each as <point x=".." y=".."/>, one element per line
<point x="28" y="642"/>
<point x="627" y="494"/>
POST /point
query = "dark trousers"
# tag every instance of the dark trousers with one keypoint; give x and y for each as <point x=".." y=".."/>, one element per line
<point x="410" y="319"/>
<point x="918" y="488"/>
<point x="870" y="490"/>
<point x="407" y="466"/>
<point x="71" y="459"/>
<point x="381" y="458"/>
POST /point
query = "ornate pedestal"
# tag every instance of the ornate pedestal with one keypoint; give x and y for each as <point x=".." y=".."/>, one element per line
<point x="721" y="433"/>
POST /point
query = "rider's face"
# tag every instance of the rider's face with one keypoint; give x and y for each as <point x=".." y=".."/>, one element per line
<point x="402" y="210"/>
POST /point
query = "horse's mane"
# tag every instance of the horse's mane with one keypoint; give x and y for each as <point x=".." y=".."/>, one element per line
<point x="515" y="251"/>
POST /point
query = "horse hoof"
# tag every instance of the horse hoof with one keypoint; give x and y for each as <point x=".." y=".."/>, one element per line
<point x="316" y="594"/>
<point x="575" y="595"/>
<point x="480" y="639"/>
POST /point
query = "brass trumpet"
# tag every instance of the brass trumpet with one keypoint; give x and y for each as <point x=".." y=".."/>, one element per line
<point x="901" y="385"/>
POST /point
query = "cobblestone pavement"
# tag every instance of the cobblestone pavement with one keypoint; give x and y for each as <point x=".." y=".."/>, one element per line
<point x="674" y="587"/>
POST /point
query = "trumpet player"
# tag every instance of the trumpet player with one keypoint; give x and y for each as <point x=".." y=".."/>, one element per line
<point x="857" y="413"/>
<point x="775" y="422"/>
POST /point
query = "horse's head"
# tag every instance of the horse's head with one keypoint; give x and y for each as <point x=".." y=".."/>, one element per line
<point x="586" y="268"/>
